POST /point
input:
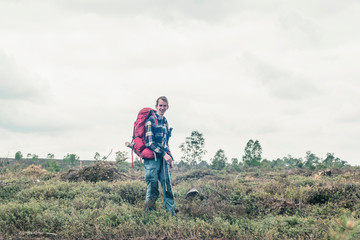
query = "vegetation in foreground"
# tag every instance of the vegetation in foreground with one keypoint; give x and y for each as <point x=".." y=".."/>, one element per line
<point x="246" y="204"/>
<point x="251" y="198"/>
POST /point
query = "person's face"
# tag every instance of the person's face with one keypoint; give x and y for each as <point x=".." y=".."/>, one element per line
<point x="161" y="107"/>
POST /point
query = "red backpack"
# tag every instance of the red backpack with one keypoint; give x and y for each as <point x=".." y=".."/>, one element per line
<point x="138" y="140"/>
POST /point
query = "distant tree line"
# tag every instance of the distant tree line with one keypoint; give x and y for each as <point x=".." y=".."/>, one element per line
<point x="50" y="163"/>
<point x="193" y="151"/>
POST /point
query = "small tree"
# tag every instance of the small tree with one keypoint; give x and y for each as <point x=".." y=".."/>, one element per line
<point x="183" y="165"/>
<point x="97" y="156"/>
<point x="235" y="164"/>
<point x="311" y="160"/>
<point x="253" y="153"/>
<point x="71" y="159"/>
<point x="266" y="164"/>
<point x="203" y="164"/>
<point x="333" y="162"/>
<point x="32" y="156"/>
<point x="121" y="156"/>
<point x="193" y="148"/>
<point x="52" y="166"/>
<point x="18" y="155"/>
<point x="219" y="160"/>
<point x="278" y="163"/>
<point x="50" y="156"/>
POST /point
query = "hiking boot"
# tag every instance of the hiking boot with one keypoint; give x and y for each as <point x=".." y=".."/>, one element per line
<point x="150" y="205"/>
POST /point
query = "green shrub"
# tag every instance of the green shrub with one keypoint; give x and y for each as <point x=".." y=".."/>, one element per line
<point x="8" y="189"/>
<point x="52" y="190"/>
<point x="242" y="205"/>
<point x="18" y="216"/>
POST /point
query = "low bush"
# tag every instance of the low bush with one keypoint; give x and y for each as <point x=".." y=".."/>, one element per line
<point x="230" y="205"/>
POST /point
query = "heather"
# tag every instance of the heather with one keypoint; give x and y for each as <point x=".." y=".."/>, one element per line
<point x="246" y="203"/>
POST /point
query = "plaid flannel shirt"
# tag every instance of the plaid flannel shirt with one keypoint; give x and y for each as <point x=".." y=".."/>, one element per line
<point x="157" y="136"/>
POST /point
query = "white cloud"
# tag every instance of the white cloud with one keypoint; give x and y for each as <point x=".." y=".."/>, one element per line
<point x="280" y="82"/>
<point x="17" y="82"/>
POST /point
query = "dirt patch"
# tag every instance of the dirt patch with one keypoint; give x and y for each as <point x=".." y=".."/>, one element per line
<point x="100" y="171"/>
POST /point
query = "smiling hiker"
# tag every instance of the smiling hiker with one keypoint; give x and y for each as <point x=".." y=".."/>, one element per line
<point x="157" y="139"/>
<point x="151" y="143"/>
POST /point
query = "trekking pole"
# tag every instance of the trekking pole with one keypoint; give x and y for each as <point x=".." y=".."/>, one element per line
<point x="164" y="166"/>
<point x="170" y="180"/>
<point x="165" y="175"/>
<point x="169" y="173"/>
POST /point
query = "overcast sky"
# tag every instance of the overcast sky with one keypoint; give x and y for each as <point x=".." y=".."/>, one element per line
<point x="75" y="73"/>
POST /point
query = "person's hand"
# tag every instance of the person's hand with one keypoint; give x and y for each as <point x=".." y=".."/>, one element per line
<point x="168" y="159"/>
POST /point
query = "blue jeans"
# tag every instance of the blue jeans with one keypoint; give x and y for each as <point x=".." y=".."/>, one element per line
<point x="155" y="171"/>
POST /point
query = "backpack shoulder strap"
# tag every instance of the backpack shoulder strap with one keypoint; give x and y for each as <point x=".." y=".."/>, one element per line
<point x="155" y="118"/>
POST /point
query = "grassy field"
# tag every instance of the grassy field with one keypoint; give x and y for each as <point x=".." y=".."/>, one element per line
<point x="249" y="204"/>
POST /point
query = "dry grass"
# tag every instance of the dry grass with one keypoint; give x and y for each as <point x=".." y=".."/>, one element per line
<point x="287" y="204"/>
<point x="34" y="171"/>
